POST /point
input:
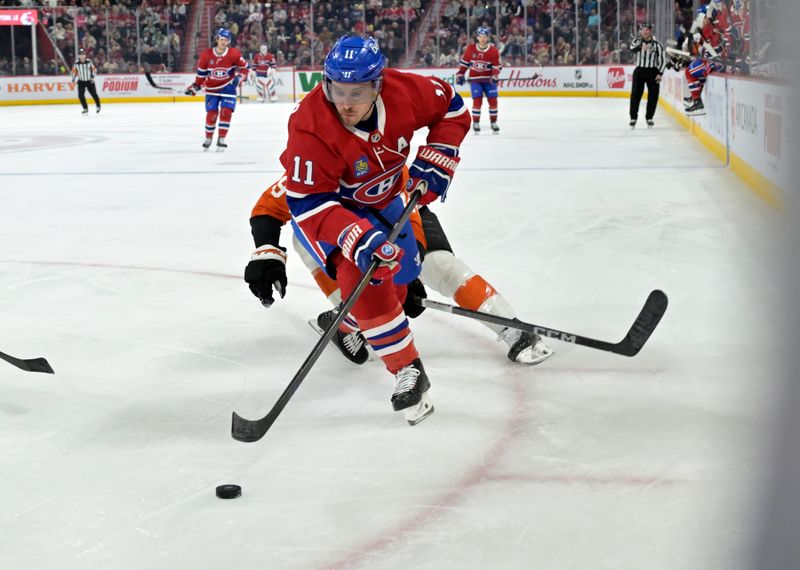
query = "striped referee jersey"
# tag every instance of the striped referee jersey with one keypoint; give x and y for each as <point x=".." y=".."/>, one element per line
<point x="83" y="70"/>
<point x="648" y="54"/>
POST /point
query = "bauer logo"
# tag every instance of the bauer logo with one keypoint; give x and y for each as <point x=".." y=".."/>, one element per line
<point x="615" y="78"/>
<point x="361" y="166"/>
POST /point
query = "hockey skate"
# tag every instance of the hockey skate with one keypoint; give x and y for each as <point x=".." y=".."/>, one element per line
<point x="98" y="109"/>
<point x="495" y="129"/>
<point x="221" y="145"/>
<point x="524" y="347"/>
<point x="650" y="123"/>
<point x="697" y="108"/>
<point x="411" y="393"/>
<point x="632" y="123"/>
<point x="352" y="345"/>
<point x="85" y="112"/>
<point x="476" y="128"/>
<point x="206" y="144"/>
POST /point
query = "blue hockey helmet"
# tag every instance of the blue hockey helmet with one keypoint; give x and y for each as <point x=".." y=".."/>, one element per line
<point x="353" y="59"/>
<point x="483" y="31"/>
<point x="223" y="33"/>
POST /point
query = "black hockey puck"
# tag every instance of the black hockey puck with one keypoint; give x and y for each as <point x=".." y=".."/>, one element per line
<point x="229" y="491"/>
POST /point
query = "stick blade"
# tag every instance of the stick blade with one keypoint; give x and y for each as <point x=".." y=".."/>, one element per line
<point x="40" y="365"/>
<point x="249" y="431"/>
<point x="28" y="364"/>
<point x="644" y="325"/>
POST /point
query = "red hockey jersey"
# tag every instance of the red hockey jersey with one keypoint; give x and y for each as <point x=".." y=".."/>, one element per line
<point x="330" y="166"/>
<point x="483" y="64"/>
<point x="215" y="71"/>
<point x="263" y="63"/>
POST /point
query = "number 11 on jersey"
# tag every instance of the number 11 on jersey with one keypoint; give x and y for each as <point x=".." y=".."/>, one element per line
<point x="309" y="178"/>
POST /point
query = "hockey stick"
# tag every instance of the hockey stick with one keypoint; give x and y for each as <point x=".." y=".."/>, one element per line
<point x="253" y="430"/>
<point x="640" y="331"/>
<point x="178" y="90"/>
<point x="536" y="75"/>
<point x="28" y="365"/>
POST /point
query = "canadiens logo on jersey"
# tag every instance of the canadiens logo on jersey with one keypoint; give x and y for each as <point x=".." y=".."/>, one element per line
<point x="361" y="166"/>
<point x="374" y="190"/>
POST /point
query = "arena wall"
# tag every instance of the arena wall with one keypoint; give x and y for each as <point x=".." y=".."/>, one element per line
<point x="745" y="126"/>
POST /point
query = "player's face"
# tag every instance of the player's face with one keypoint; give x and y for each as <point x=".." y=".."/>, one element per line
<point x="352" y="100"/>
<point x="483" y="40"/>
<point x="222" y="43"/>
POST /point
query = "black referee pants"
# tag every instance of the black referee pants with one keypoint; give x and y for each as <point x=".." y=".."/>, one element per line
<point x="644" y="76"/>
<point x="83" y="87"/>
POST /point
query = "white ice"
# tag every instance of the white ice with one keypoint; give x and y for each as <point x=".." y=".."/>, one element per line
<point x="122" y="247"/>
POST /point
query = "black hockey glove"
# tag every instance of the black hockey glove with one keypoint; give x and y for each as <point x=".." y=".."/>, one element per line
<point x="411" y="306"/>
<point x="267" y="271"/>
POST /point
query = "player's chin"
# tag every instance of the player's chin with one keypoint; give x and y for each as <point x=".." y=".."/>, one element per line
<point x="349" y="119"/>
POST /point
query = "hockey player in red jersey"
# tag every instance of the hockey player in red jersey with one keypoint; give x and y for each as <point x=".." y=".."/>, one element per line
<point x="264" y="67"/>
<point x="442" y="271"/>
<point x="708" y="42"/>
<point x="348" y="143"/>
<point x="483" y="60"/>
<point x="219" y="71"/>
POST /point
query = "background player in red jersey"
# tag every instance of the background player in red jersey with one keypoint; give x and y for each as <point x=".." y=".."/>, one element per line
<point x="264" y="67"/>
<point x="483" y="60"/>
<point x="348" y="144"/>
<point x="219" y="70"/>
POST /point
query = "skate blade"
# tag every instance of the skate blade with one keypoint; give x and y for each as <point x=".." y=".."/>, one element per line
<point x="220" y="149"/>
<point x="537" y="359"/>
<point x="415" y="414"/>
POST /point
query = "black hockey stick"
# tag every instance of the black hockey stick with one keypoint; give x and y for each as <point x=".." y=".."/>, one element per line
<point x="178" y="90"/>
<point x="539" y="71"/>
<point x="29" y="365"/>
<point x="640" y="331"/>
<point x="253" y="430"/>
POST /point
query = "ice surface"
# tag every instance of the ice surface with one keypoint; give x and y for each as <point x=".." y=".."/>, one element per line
<point x="122" y="247"/>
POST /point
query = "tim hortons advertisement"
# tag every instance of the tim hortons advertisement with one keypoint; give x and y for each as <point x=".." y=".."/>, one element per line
<point x="517" y="80"/>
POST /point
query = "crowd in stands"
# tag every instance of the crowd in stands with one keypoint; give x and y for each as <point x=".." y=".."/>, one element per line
<point x="107" y="30"/>
<point x="566" y="32"/>
<point x="299" y="33"/>
<point x="562" y="32"/>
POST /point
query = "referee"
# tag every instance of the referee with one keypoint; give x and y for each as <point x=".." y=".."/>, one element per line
<point x="648" y="55"/>
<point x="84" y="71"/>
